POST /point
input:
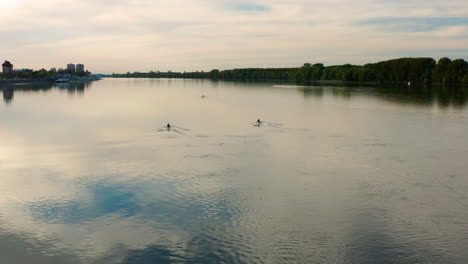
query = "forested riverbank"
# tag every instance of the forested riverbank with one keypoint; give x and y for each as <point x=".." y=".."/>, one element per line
<point x="403" y="70"/>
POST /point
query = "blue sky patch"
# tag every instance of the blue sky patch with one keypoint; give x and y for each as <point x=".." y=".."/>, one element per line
<point x="413" y="24"/>
<point x="245" y="7"/>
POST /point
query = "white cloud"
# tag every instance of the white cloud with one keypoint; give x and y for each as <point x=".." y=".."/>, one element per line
<point x="453" y="31"/>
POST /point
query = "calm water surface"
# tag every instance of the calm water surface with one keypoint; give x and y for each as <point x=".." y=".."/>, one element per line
<point x="352" y="175"/>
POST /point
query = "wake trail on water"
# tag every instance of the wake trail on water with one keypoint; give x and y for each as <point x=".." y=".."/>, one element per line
<point x="266" y="123"/>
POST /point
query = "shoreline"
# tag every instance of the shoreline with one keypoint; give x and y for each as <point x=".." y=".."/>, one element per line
<point x="6" y="82"/>
<point x="316" y="82"/>
<point x="24" y="81"/>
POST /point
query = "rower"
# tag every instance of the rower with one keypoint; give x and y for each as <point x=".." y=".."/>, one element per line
<point x="258" y="121"/>
<point x="168" y="126"/>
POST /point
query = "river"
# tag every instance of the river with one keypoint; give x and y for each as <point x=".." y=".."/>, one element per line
<point x="89" y="173"/>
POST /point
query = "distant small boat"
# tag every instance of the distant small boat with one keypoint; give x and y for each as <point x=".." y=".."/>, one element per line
<point x="62" y="80"/>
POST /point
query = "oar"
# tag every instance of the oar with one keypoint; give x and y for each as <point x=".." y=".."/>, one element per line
<point x="186" y="129"/>
<point x="175" y="130"/>
<point x="161" y="129"/>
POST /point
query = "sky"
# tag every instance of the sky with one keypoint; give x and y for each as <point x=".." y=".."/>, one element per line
<point x="180" y="35"/>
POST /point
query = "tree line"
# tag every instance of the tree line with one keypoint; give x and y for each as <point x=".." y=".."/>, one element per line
<point x="402" y="70"/>
<point x="39" y="74"/>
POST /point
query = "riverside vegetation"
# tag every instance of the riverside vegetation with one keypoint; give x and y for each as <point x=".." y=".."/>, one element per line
<point x="402" y="70"/>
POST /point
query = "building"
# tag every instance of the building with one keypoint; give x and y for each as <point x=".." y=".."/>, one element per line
<point x="53" y="69"/>
<point x="7" y="67"/>
<point x="80" y="68"/>
<point x="71" y="67"/>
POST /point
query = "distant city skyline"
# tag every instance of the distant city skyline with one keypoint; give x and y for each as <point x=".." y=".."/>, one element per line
<point x="8" y="67"/>
<point x="144" y="35"/>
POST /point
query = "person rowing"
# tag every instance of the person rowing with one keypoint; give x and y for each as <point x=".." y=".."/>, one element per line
<point x="172" y="128"/>
<point x="167" y="127"/>
<point x="265" y="123"/>
<point x="258" y="123"/>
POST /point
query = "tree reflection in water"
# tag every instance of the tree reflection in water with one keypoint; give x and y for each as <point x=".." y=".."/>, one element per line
<point x="443" y="96"/>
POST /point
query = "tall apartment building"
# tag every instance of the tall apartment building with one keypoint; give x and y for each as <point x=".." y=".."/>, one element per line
<point x="71" y="67"/>
<point x="80" y="68"/>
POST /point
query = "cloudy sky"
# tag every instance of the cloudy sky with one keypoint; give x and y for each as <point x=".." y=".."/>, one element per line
<point x="141" y="35"/>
